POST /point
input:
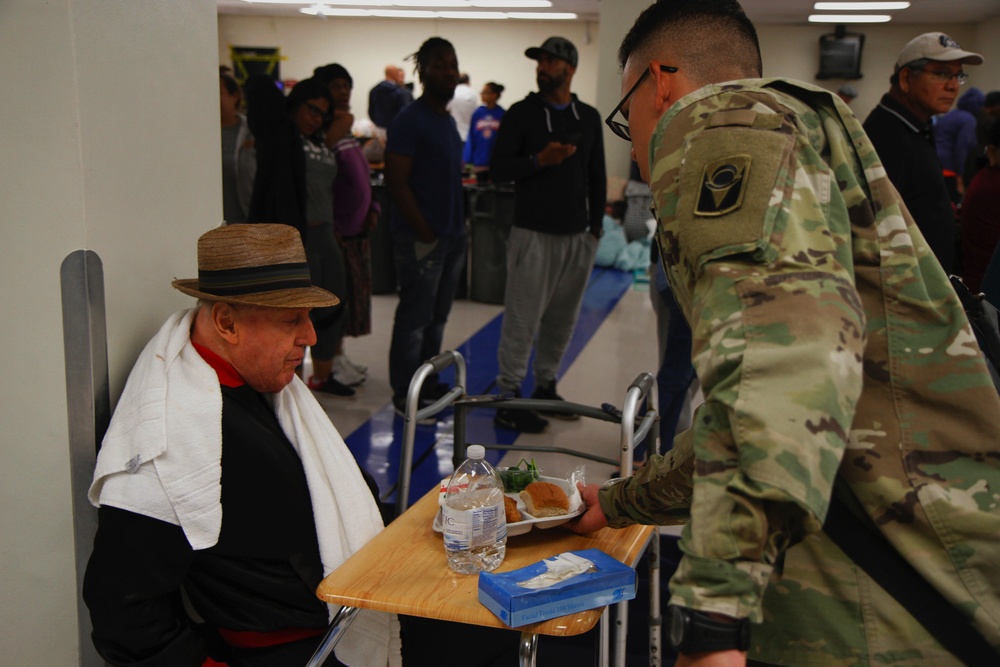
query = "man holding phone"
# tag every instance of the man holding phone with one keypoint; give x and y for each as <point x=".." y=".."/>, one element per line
<point x="550" y="145"/>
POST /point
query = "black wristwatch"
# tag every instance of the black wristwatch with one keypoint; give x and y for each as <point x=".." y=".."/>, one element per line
<point x="691" y="631"/>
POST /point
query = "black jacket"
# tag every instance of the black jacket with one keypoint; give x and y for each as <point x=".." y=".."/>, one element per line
<point x="260" y="576"/>
<point x="906" y="148"/>
<point x="279" y="188"/>
<point x="567" y="198"/>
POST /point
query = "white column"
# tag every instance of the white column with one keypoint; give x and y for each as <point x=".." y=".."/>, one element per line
<point x="110" y="142"/>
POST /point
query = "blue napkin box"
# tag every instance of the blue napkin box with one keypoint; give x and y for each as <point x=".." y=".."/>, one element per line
<point x="612" y="582"/>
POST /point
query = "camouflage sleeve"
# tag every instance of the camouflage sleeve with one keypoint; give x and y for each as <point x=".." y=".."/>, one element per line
<point x="658" y="494"/>
<point x="759" y="252"/>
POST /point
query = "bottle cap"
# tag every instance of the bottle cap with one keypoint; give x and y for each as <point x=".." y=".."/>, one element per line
<point x="475" y="451"/>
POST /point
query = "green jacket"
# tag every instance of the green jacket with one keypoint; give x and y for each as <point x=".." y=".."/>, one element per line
<point x="828" y="341"/>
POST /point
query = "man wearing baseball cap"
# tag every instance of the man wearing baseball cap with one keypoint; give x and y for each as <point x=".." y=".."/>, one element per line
<point x="926" y="80"/>
<point x="550" y="145"/>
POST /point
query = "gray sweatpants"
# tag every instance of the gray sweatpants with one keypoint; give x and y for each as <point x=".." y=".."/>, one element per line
<point x="546" y="278"/>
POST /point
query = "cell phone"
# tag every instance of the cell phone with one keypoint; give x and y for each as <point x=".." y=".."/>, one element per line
<point x="574" y="138"/>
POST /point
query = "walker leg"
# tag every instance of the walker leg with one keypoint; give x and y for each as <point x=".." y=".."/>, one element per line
<point x="528" y="649"/>
<point x="338" y="626"/>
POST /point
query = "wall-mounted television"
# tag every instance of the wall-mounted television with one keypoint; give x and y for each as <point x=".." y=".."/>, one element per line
<point x="840" y="55"/>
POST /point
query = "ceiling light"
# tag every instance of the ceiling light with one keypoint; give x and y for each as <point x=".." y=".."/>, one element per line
<point x="860" y="6"/>
<point x="510" y="4"/>
<point x="403" y="14"/>
<point x="323" y="10"/>
<point x="430" y="3"/>
<point x="849" y="18"/>
<point x="353" y="3"/>
<point x="471" y="15"/>
<point x="550" y="16"/>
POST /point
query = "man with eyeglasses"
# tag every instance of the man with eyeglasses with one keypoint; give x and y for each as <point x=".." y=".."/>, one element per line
<point x="842" y="386"/>
<point x="925" y="83"/>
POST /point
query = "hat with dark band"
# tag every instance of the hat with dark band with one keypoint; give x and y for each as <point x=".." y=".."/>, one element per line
<point x="560" y="47"/>
<point x="257" y="265"/>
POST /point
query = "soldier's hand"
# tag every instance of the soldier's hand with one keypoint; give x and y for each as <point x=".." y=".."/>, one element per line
<point x="555" y="153"/>
<point x="593" y="518"/>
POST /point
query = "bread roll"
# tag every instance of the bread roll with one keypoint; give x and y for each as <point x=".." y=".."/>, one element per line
<point x="510" y="508"/>
<point x="543" y="499"/>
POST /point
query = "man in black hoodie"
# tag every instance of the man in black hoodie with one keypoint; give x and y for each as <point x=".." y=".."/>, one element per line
<point x="550" y="145"/>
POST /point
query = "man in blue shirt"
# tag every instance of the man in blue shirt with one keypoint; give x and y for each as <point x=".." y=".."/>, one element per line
<point x="423" y="172"/>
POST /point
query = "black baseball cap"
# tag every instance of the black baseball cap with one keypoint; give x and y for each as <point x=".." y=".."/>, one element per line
<point x="560" y="47"/>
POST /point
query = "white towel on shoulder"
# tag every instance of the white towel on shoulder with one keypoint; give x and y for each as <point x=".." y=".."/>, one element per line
<point x="162" y="457"/>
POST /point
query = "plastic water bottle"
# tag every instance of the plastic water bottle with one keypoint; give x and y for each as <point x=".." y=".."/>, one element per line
<point x="473" y="517"/>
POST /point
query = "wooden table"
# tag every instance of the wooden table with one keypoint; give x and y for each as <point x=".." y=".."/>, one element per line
<point x="404" y="571"/>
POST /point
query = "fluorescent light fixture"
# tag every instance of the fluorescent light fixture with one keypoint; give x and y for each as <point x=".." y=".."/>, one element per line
<point x="403" y="14"/>
<point x="860" y="6"/>
<point x="511" y="4"/>
<point x="423" y="4"/>
<point x="543" y="16"/>
<point x="362" y="8"/>
<point x="429" y="4"/>
<point x="471" y="15"/>
<point x="849" y="18"/>
<point x="323" y="10"/>
<point x="353" y="3"/>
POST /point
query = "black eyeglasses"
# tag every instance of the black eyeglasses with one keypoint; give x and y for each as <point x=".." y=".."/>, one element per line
<point x="621" y="129"/>
<point x="319" y="112"/>
<point x="943" y="77"/>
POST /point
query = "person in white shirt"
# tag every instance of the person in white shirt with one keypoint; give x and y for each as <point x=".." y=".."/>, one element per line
<point x="462" y="105"/>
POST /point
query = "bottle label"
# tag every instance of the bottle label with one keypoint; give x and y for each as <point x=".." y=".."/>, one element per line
<point x="468" y="529"/>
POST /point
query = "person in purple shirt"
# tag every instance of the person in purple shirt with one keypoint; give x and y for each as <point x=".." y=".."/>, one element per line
<point x="355" y="214"/>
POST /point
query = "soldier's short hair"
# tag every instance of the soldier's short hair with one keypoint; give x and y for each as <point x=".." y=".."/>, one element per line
<point x="713" y="38"/>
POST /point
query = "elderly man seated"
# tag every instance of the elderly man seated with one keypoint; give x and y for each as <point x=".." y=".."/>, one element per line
<point x="225" y="493"/>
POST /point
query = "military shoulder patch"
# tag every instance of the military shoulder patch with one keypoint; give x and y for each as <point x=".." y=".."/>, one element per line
<point x="729" y="183"/>
<point x="722" y="186"/>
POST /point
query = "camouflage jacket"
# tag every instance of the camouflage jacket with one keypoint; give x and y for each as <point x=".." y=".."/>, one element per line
<point x="828" y="341"/>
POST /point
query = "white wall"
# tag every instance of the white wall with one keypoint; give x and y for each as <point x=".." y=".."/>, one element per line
<point x="109" y="142"/>
<point x="987" y="77"/>
<point x="490" y="50"/>
<point x="486" y="51"/>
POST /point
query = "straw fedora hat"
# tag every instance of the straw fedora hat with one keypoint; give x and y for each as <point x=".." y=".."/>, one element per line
<point x="257" y="265"/>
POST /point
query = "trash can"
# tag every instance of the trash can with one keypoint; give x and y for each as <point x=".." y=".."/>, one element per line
<point x="491" y="213"/>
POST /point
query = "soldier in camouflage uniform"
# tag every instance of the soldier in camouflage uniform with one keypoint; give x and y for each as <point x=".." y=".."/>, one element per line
<point x="828" y="342"/>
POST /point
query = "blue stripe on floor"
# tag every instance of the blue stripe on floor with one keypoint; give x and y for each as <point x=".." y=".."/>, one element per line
<point x="377" y="443"/>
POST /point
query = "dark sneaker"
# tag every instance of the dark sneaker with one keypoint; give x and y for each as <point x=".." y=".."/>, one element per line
<point x="547" y="392"/>
<point x="330" y="386"/>
<point x="523" y="421"/>
<point x="399" y="405"/>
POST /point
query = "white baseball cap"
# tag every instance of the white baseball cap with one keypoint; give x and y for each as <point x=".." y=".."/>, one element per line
<point x="935" y="46"/>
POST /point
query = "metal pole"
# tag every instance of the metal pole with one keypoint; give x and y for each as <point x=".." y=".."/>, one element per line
<point x="338" y="626"/>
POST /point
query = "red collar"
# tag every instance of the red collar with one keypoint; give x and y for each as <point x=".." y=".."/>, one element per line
<point x="228" y="377"/>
